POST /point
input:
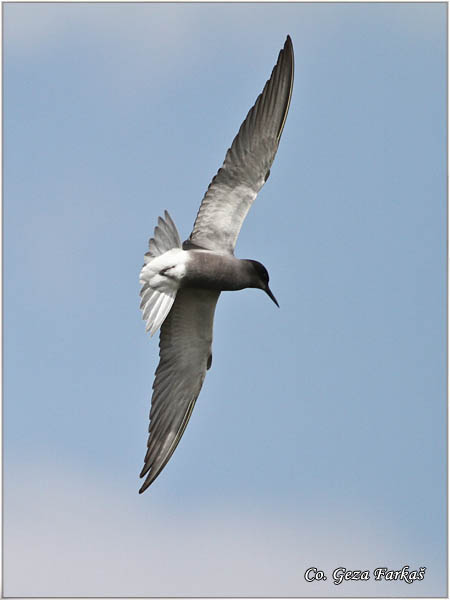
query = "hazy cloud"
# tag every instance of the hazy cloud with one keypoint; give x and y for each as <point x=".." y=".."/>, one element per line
<point x="81" y="537"/>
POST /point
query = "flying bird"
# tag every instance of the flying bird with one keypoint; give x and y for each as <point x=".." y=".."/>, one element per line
<point x="181" y="283"/>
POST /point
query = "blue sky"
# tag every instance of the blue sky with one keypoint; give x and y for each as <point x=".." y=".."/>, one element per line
<point x="319" y="438"/>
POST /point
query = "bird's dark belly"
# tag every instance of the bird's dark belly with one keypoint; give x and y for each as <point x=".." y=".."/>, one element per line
<point x="215" y="272"/>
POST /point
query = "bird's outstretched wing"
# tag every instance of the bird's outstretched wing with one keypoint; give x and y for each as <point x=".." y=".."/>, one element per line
<point x="185" y="355"/>
<point x="247" y="163"/>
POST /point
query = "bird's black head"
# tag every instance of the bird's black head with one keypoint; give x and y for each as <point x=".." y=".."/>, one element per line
<point x="261" y="279"/>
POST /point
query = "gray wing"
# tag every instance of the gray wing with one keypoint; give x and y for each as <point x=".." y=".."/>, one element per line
<point x="185" y="355"/>
<point x="247" y="163"/>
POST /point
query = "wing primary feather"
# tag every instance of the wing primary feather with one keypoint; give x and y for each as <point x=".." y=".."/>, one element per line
<point x="234" y="188"/>
<point x="185" y="348"/>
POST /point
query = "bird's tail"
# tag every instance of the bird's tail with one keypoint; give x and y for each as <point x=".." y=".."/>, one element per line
<point x="164" y="238"/>
<point x="157" y="299"/>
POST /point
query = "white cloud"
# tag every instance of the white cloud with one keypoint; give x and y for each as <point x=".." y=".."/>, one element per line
<point x="121" y="39"/>
<point x="69" y="537"/>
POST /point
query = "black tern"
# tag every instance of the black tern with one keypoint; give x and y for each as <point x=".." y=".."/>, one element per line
<point x="181" y="283"/>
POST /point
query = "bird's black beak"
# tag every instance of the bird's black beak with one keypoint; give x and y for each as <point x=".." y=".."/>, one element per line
<point x="269" y="293"/>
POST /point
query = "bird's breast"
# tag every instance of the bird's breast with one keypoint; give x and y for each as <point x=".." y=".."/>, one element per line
<point x="209" y="270"/>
